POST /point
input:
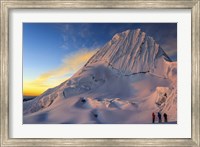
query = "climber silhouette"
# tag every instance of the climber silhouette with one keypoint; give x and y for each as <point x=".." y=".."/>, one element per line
<point x="165" y="117"/>
<point x="159" y="117"/>
<point x="153" y="117"/>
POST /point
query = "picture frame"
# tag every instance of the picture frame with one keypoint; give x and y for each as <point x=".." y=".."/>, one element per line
<point x="7" y="5"/>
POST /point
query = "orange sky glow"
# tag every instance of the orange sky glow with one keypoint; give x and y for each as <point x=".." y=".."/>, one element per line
<point x="70" y="64"/>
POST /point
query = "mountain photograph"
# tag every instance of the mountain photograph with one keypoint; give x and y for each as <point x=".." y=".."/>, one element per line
<point x="99" y="73"/>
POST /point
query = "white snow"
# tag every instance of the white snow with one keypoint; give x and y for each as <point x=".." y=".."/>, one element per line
<point x="124" y="82"/>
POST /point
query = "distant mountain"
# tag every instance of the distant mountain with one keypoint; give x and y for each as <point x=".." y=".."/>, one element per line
<point x="27" y="98"/>
<point x="124" y="82"/>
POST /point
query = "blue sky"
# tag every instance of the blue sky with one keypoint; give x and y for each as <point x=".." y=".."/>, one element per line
<point x="47" y="47"/>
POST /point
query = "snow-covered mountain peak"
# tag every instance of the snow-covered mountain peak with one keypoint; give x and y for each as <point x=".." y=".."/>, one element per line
<point x="124" y="82"/>
<point x="131" y="51"/>
<point x="125" y="34"/>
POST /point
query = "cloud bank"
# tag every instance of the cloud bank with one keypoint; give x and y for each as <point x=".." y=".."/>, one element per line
<point x="70" y="64"/>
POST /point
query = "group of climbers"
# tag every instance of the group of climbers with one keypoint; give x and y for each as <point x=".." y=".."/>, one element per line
<point x="159" y="117"/>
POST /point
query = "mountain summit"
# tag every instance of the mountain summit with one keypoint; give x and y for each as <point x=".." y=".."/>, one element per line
<point x="124" y="82"/>
<point x="131" y="51"/>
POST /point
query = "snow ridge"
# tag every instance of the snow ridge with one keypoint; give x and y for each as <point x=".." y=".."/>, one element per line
<point x="124" y="82"/>
<point x="131" y="51"/>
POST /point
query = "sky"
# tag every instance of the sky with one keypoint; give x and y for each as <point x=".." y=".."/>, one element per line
<point x="53" y="52"/>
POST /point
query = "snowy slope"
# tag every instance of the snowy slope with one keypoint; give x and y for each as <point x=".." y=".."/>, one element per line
<point x="124" y="82"/>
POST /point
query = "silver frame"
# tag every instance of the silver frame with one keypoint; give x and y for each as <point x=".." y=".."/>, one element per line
<point x="7" y="5"/>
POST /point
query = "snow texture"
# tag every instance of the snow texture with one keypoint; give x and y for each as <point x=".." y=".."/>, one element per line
<point x="127" y="80"/>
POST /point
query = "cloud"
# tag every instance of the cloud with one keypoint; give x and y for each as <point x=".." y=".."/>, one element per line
<point x="74" y="35"/>
<point x="85" y="30"/>
<point x="170" y="47"/>
<point x="65" y="32"/>
<point x="70" y="64"/>
<point x="172" y="54"/>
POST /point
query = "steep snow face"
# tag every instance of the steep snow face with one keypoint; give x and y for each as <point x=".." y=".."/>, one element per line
<point x="131" y="51"/>
<point x="124" y="82"/>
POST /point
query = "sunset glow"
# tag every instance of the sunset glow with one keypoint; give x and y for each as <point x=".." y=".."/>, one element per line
<point x="54" y="77"/>
<point x="53" y="52"/>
